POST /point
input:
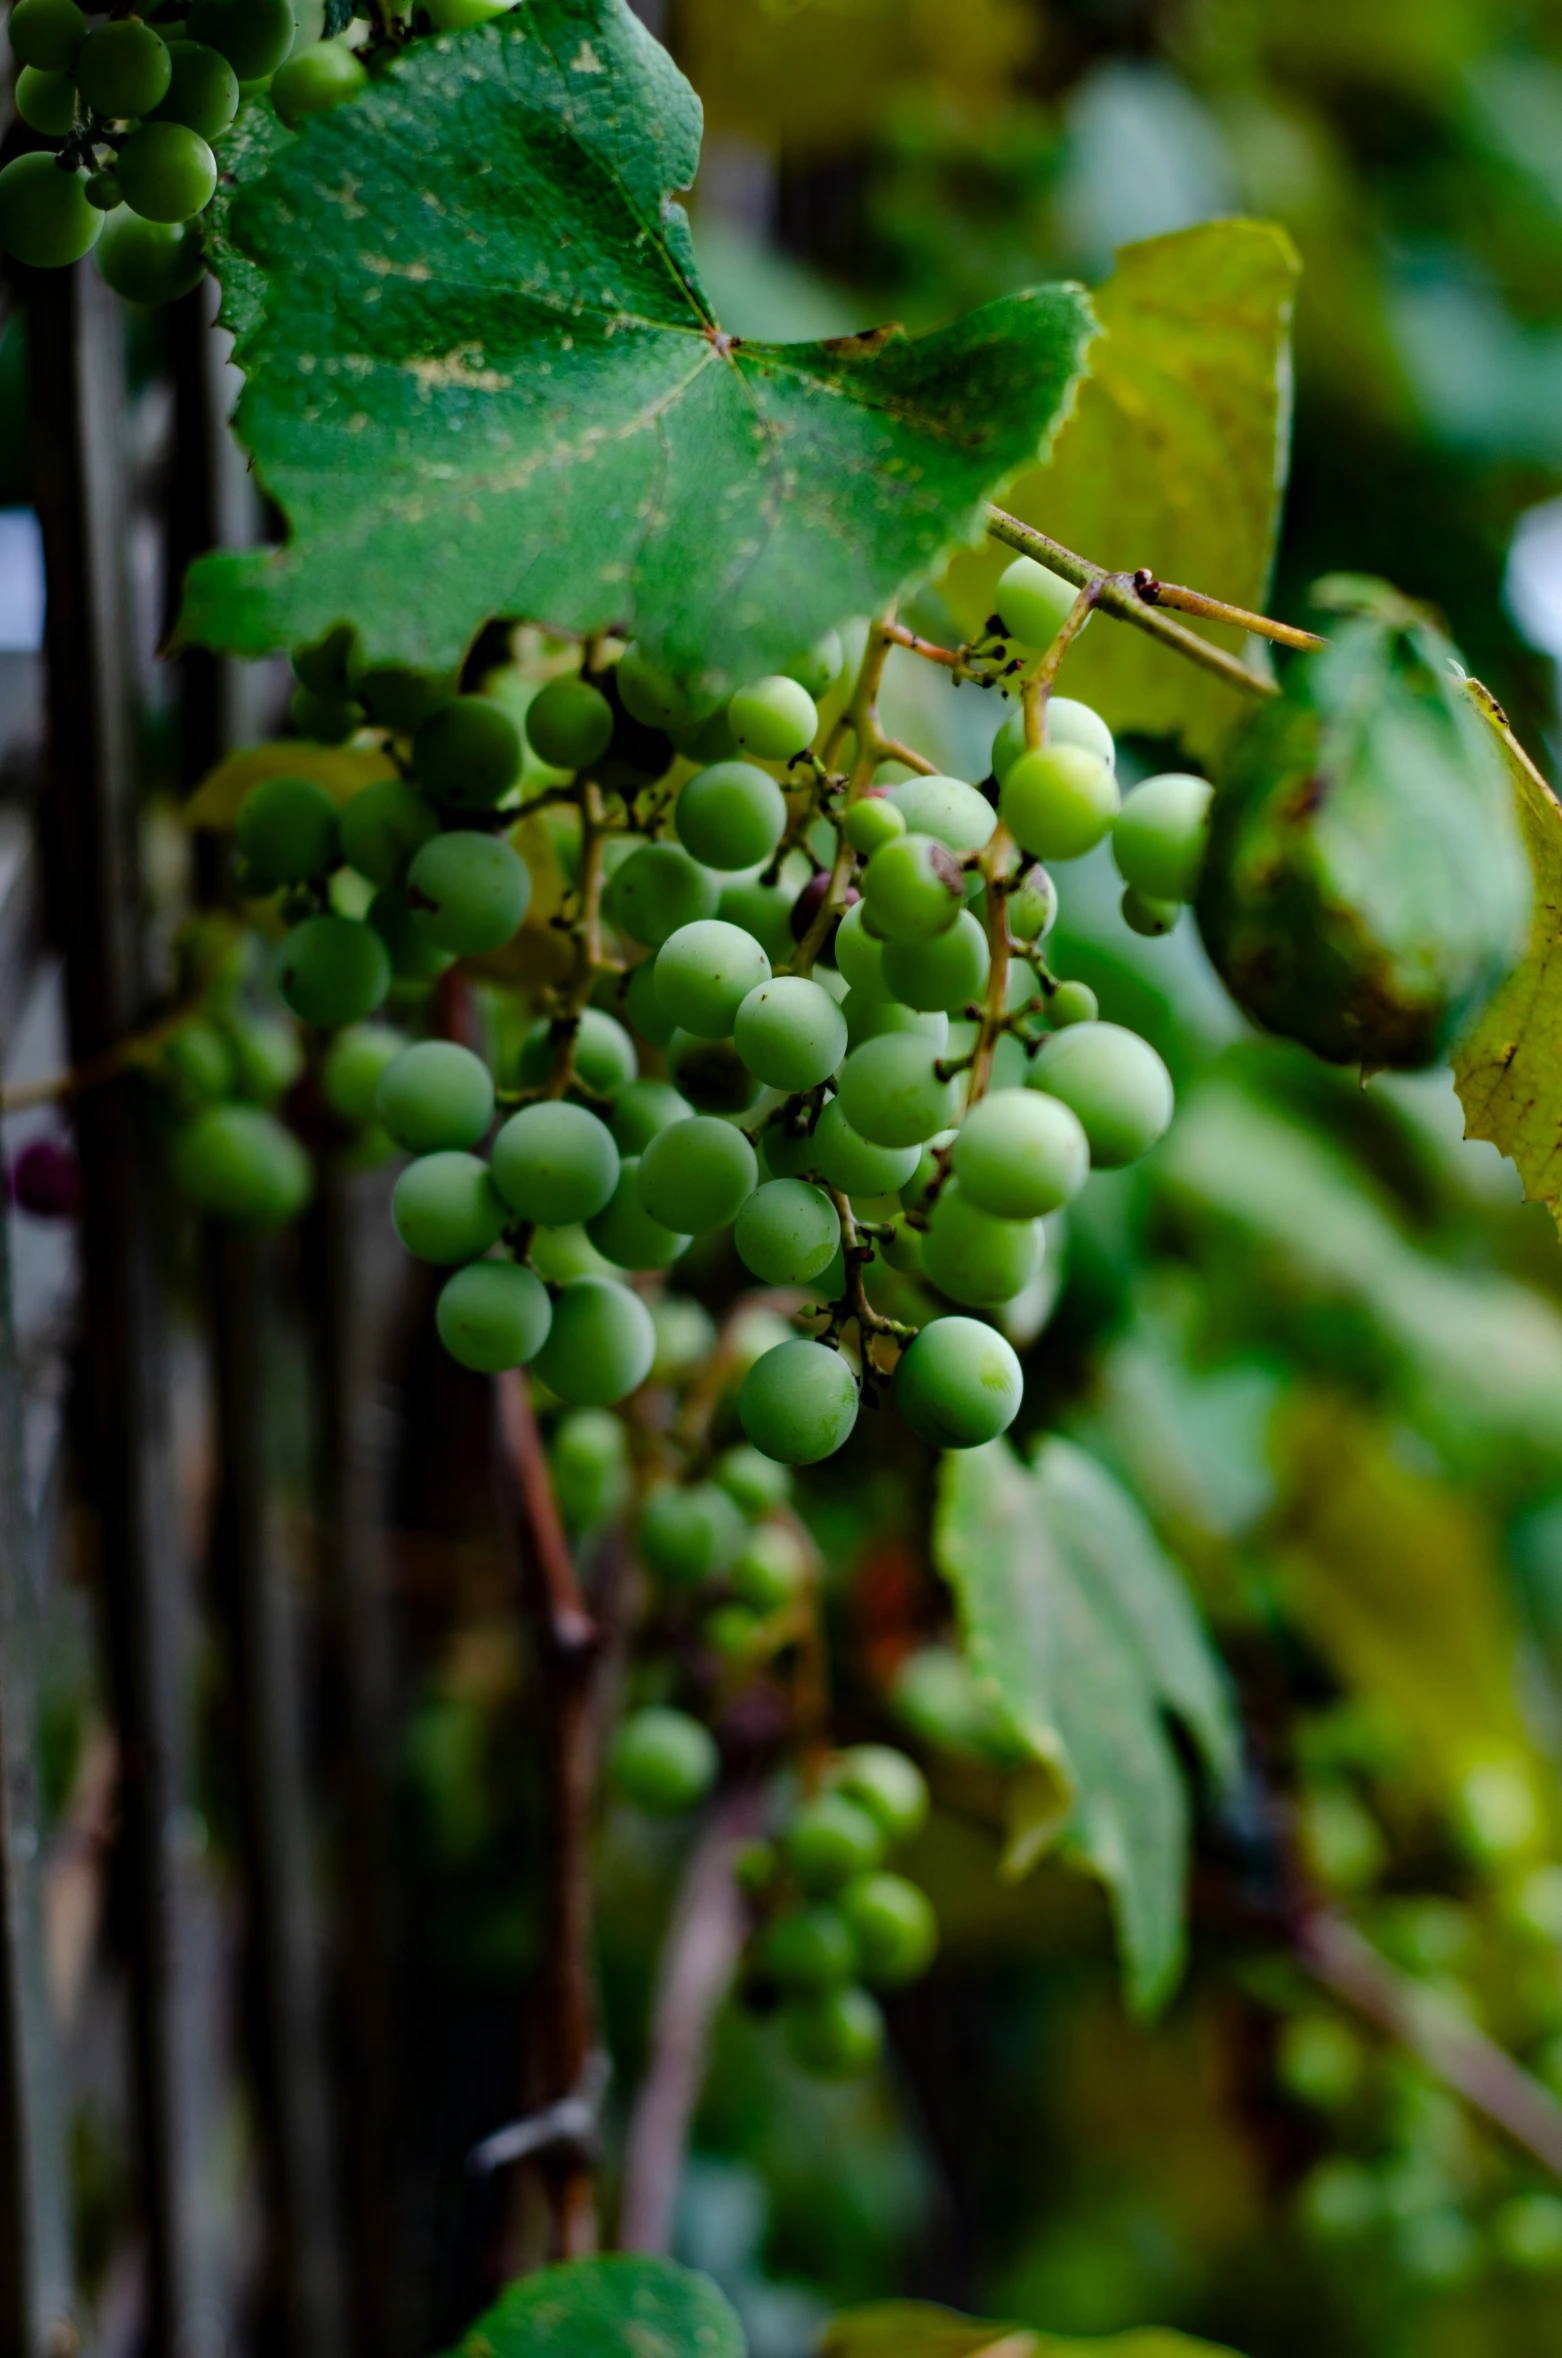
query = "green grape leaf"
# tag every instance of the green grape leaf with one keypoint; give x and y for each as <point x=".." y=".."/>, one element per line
<point x="243" y="154"/>
<point x="1508" y="1067"/>
<point x="501" y="390"/>
<point x="920" y="2329"/>
<point x="620" y="2306"/>
<point x="1080" y="1627"/>
<point x="1175" y="457"/>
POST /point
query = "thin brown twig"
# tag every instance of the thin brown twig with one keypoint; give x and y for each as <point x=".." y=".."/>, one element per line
<point x="860" y="720"/>
<point x="107" y="1065"/>
<point x="1040" y="679"/>
<point x="1191" y="601"/>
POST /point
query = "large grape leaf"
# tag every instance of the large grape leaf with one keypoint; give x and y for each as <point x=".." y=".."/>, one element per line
<point x="484" y="379"/>
<point x="622" y="2306"/>
<point x="920" y="2329"/>
<point x="1081" y="1628"/>
<point x="1175" y="457"/>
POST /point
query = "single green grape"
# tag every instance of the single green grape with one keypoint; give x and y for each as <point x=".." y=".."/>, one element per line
<point x="1020" y="1154"/>
<point x="698" y="1172"/>
<point x="313" y="80"/>
<point x="1115" y="1082"/>
<point x="333" y="970"/>
<point x="818" y="667"/>
<point x="167" y="171"/>
<point x="267" y="1057"/>
<point x="123" y="68"/>
<point x="493" y="1315"/>
<point x="956" y="815"/>
<point x="642" y="1110"/>
<point x="626" y="1233"/>
<point x="888" y="1784"/>
<point x="46" y="219"/>
<point x="704" y="972"/>
<point x="892" y="1092"/>
<point x="789" y="1032"/>
<point x="774" y="718"/>
<point x="657" y="892"/>
<point x="902" y="1249"/>
<point x="685" y="1337"/>
<point x="649" y="696"/>
<point x="946" y="973"/>
<point x="399" y="697"/>
<point x="1071" y="1003"/>
<point x="870" y="1019"/>
<point x="103" y="192"/>
<point x="912" y="889"/>
<point x="799" y="1403"/>
<point x="765" y="911"/>
<point x="689" y="1533"/>
<point x="242" y="1165"/>
<point x="201" y="1056"/>
<point x="871" y="823"/>
<point x="46" y="34"/>
<point x="469" y="892"/>
<point x="711" y="1074"/>
<point x="253" y="35"/>
<point x="453" y="16"/>
<point x="753" y="1482"/>
<point x="287" y="831"/>
<point x="354" y="1065"/>
<point x="602" y="1344"/>
<point x="569" y="724"/>
<point x="642" y="1006"/>
<point x="959" y="1384"/>
<point x="974" y="1258"/>
<point x="836" y="2035"/>
<point x="663" y="1762"/>
<point x="787" y="1232"/>
<point x="730" y="816"/>
<point x="555" y="1164"/>
<point x="859" y="956"/>
<point x="1032" y="908"/>
<point x="413" y="957"/>
<point x="150" y="262"/>
<point x="589" y="1455"/>
<point x="384" y="827"/>
<point x="1059" y="802"/>
<point x="1150" y="918"/>
<point x="1159" y="836"/>
<point x="203" y="91"/>
<point x="1068" y="723"/>
<point x="46" y="102"/>
<point x="770" y="1568"/>
<point x="605" y="1059"/>
<point x="706" y="740"/>
<point x="446" y="1208"/>
<point x="467" y="755"/>
<point x="786" y="1153"/>
<point x="853" y="1163"/>
<point x="893" y="1927"/>
<point x="1033" y="602"/>
<point x="436" y="1094"/>
<point x="809" y="1948"/>
<point x="832" y="1839"/>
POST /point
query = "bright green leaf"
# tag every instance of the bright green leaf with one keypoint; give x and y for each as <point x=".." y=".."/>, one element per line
<point x="622" y="2306"/>
<point x="502" y="391"/>
<point x="919" y="2329"/>
<point x="1082" y="1629"/>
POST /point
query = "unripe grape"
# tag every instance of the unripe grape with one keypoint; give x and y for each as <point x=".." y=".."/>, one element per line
<point x="648" y="695"/>
<point x="605" y="1059"/>
<point x="902" y="1249"/>
<point x="103" y="192"/>
<point x="384" y="827"/>
<point x="1058" y="803"/>
<point x="1115" y="1082"/>
<point x="569" y="724"/>
<point x="447" y="1208"/>
<point x="493" y="1315"/>
<point x="468" y="754"/>
<point x="469" y="892"/>
<point x="870" y="1019"/>
<point x="287" y="831"/>
<point x="730" y="816"/>
<point x="769" y="1568"/>
<point x="1160" y="834"/>
<point x="787" y="1232"/>
<point x="201" y="1057"/>
<point x="711" y="1074"/>
<point x="601" y="1346"/>
<point x="799" y="1403"/>
<point x="123" y="69"/>
<point x="242" y="1165"/>
<point x="860" y="957"/>
<point x="436" y="1094"/>
<point x="1033" y="602"/>
<point x="1071" y="1003"/>
<point x="657" y="892"/>
<point x="809" y="1949"/>
<point x="453" y="16"/>
<point x="774" y="718"/>
<point x="1033" y="908"/>
<point x="831" y="1840"/>
<point x="853" y="1163"/>
<point x="253" y="35"/>
<point x="641" y="1111"/>
<point x="706" y="740"/>
<point x="150" y="262"/>
<point x="974" y="1258"/>
<point x="871" y="823"/>
<point x="1068" y="723"/>
<point x="912" y="889"/>
<point x="46" y="34"/>
<point x="313" y="80"/>
<point x="626" y="1233"/>
<point x="413" y="957"/>
<point x="167" y="171"/>
<point x="1020" y="1154"/>
<point x="685" y="1338"/>
<point x="663" y="1762"/>
<point x="333" y="970"/>
<point x="953" y="813"/>
<point x="959" y="1384"/>
<point x="892" y="1093"/>
<point x="944" y="974"/>
<point x="46" y="102"/>
<point x="888" y="1785"/>
<point x="818" y="667"/>
<point x="642" y="1006"/>
<point x="765" y="911"/>
<point x="45" y="218"/>
<point x="753" y="1482"/>
<point x="790" y="1033"/>
<point x="589" y="1455"/>
<point x="267" y="1057"/>
<point x="837" y="2035"/>
<point x="893" y="1927"/>
<point x="689" y="1532"/>
<point x="698" y="1173"/>
<point x="203" y="92"/>
<point x="399" y="697"/>
<point x="354" y="1066"/>
<point x="555" y="1164"/>
<point x="1151" y="918"/>
<point x="704" y="972"/>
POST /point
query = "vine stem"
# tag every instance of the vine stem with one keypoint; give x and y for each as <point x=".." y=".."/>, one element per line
<point x="1043" y="673"/>
<point x="860" y="721"/>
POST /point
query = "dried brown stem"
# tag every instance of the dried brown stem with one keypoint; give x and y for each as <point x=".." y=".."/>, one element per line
<point x="1191" y="601"/>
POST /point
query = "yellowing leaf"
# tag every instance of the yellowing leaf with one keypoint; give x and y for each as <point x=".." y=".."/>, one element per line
<point x="920" y="2329"/>
<point x="343" y="770"/>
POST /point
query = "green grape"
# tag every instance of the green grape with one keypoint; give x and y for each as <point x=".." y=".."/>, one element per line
<point x="242" y="1165"/>
<point x="384" y="827"/>
<point x="202" y="1057"/>
<point x="959" y="1384"/>
<point x="453" y="16"/>
<point x="870" y="1019"/>
<point x="267" y="1057"/>
<point x="859" y="956"/>
<point x="790" y="1033"/>
<point x="555" y="1164"/>
<point x="167" y="172"/>
<point x="1067" y="723"/>
<point x="974" y="1258"/>
<point x="1019" y="1154"/>
<point x="809" y="1949"/>
<point x="123" y="69"/>
<point x="625" y="1231"/>
<point x="355" y="1063"/>
<point x="953" y="813"/>
<point x="315" y="79"/>
<point x="1058" y="803"/>
<point x="493" y="1315"/>
<point x="734" y="1633"/>
<point x="150" y="262"/>
<point x="711" y="1074"/>
<point x="648" y="696"/>
<point x="730" y="816"/>
<point x="912" y="889"/>
<point x="765" y="911"/>
<point x="203" y="92"/>
<point x="893" y="1927"/>
<point x="818" y="667"/>
<point x="902" y="1249"/>
<point x="643" y="1007"/>
<point x="689" y="1533"/>
<point x="447" y="1208"/>
<point x="400" y="698"/>
<point x="287" y="831"/>
<point x="831" y="1840"/>
<point x="103" y="192"/>
<point x="706" y="740"/>
<point x="946" y="973"/>
<point x="685" y="1338"/>
<point x="798" y="1403"/>
<point x="642" y="1110"/>
<point x="786" y="1153"/>
<point x="602" y="1344"/>
<point x="333" y="970"/>
<point x="468" y="754"/>
<point x="657" y="892"/>
<point x="413" y="957"/>
<point x="1032" y="908"/>
<point x="852" y="1163"/>
<point x="1159" y="836"/>
<point x="1151" y="918"/>
<point x="1071" y="1003"/>
<point x="561" y="1254"/>
<point x="46" y="102"/>
<point x="589" y="1454"/>
<point x="569" y="724"/>
<point x="775" y="718"/>
<point x="888" y="1785"/>
<point x="253" y="35"/>
<point x="1115" y="1082"/>
<point x="769" y="1568"/>
<point x="663" y="1762"/>
<point x="753" y="1482"/>
<point x="837" y="2034"/>
<point x="436" y="1094"/>
<point x="605" y="1059"/>
<point x="699" y="1173"/>
<point x="45" y="217"/>
<point x="704" y="972"/>
<point x="1033" y="602"/>
<point x="46" y="34"/>
<point x="470" y="892"/>
<point x="892" y="1092"/>
<point x="787" y="1232"/>
<point x="869" y="824"/>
